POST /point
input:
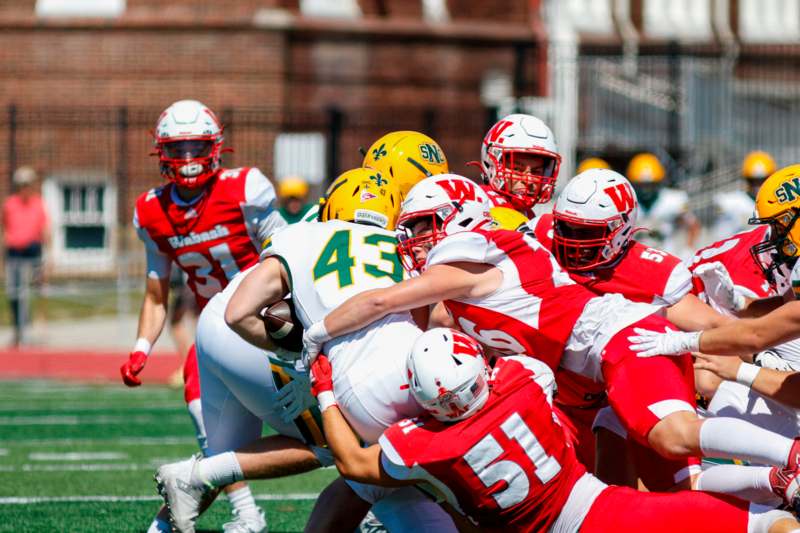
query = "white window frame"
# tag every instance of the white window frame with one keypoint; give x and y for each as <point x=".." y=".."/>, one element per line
<point x="83" y="260"/>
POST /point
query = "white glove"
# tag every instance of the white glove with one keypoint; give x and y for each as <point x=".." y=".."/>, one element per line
<point x="719" y="286"/>
<point x="313" y="339"/>
<point x="771" y="359"/>
<point x="295" y="397"/>
<point x="651" y="343"/>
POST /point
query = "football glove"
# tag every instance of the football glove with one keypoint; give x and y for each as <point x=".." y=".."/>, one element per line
<point x="651" y="343"/>
<point x="295" y="397"/>
<point x="322" y="382"/>
<point x="719" y="286"/>
<point x="131" y="368"/>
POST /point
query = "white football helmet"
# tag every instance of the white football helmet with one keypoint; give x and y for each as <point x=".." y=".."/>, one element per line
<point x="451" y="203"/>
<point x="447" y="374"/>
<point x="520" y="160"/>
<point x="188" y="140"/>
<point x="594" y="219"/>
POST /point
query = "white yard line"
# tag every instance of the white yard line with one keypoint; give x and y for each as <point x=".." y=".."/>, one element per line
<point x="77" y="456"/>
<point x="302" y="496"/>
<point x="78" y="420"/>
<point x="137" y="441"/>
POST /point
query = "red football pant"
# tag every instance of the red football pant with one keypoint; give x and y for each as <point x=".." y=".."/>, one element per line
<point x="191" y="376"/>
<point x="623" y="510"/>
<point x="642" y="391"/>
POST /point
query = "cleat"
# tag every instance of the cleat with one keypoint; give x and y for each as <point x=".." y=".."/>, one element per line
<point x="786" y="484"/>
<point x="185" y="497"/>
<point x="246" y="524"/>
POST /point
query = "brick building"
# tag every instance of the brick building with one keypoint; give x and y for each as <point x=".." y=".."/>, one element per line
<point x="81" y="90"/>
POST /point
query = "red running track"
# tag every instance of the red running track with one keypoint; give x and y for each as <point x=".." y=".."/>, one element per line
<point x="74" y="365"/>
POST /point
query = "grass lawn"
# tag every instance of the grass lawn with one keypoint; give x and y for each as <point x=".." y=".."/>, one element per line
<point x="80" y="458"/>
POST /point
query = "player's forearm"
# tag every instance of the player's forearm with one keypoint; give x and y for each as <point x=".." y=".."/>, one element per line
<point x="691" y="314"/>
<point x="152" y="318"/>
<point x="357" y="312"/>
<point x="760" y="307"/>
<point x="251" y="329"/>
<point x="351" y="459"/>
<point x="781" y="386"/>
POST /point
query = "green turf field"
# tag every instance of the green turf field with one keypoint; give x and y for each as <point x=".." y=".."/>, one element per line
<point x="81" y="458"/>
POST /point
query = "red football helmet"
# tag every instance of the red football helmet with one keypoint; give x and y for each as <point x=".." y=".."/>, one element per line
<point x="188" y="140"/>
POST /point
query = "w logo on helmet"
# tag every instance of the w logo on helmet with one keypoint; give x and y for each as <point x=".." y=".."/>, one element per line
<point x="622" y="196"/>
<point x="458" y="190"/>
<point x="431" y="153"/>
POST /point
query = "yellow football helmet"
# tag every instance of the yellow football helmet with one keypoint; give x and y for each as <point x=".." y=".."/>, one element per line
<point x="292" y="186"/>
<point x="507" y="218"/>
<point x="645" y="168"/>
<point x="758" y="165"/>
<point x="778" y="204"/>
<point x="364" y="196"/>
<point x="407" y="157"/>
<point x="592" y="162"/>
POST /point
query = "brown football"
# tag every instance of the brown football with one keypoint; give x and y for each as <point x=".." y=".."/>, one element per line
<point x="282" y="325"/>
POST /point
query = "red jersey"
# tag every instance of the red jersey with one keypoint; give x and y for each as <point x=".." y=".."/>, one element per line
<point x="535" y="309"/>
<point x="734" y="254"/>
<point x="507" y="466"/>
<point x="212" y="237"/>
<point x="641" y="274"/>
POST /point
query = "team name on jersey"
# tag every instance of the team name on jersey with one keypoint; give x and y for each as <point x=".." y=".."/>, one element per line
<point x="181" y="241"/>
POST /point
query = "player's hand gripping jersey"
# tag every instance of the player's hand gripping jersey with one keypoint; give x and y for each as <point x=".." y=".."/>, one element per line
<point x="213" y="237"/>
<point x="641" y="273"/>
<point x="328" y="263"/>
<point x="734" y="254"/>
<point x="508" y="466"/>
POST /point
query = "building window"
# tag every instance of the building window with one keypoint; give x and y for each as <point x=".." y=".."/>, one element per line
<point x="84" y="219"/>
<point x="300" y="154"/>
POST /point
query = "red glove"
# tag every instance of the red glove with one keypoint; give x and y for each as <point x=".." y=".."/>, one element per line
<point x="322" y="382"/>
<point x="132" y="367"/>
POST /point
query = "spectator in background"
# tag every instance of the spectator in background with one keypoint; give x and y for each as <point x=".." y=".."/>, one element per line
<point x="293" y="196"/>
<point x="26" y="230"/>
<point x="734" y="208"/>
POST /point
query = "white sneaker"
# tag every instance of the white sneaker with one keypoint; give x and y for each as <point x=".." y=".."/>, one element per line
<point x="185" y="499"/>
<point x="246" y="524"/>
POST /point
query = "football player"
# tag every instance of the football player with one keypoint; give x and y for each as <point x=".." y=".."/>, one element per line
<point x="505" y="289"/>
<point x="592" y="162"/>
<point x="520" y="163"/>
<point x="591" y="232"/>
<point x="323" y="264"/>
<point x="490" y="445"/>
<point x="210" y="221"/>
<point x="777" y="205"/>
<point x="664" y="211"/>
<point x="293" y="195"/>
<point x="734" y="208"/>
